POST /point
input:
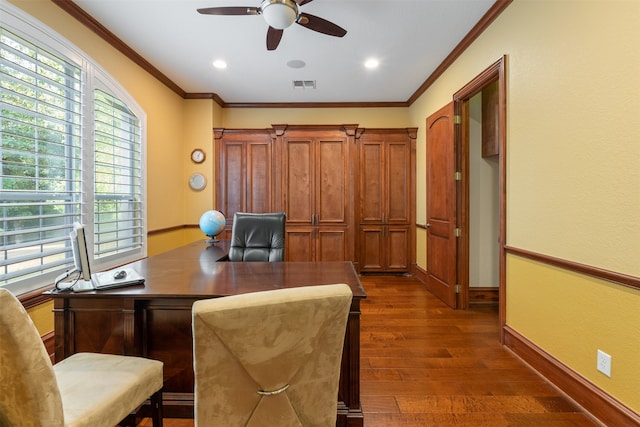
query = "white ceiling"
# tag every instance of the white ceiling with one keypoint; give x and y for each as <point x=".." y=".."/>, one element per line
<point x="410" y="38"/>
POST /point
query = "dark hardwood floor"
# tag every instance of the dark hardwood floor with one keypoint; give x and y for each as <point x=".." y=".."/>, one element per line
<point x="423" y="364"/>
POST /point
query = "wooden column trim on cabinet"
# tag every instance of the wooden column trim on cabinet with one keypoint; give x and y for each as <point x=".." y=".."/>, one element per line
<point x="279" y="129"/>
<point x="413" y="135"/>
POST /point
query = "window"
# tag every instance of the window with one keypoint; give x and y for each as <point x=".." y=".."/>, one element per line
<point x="118" y="178"/>
<point x="72" y="148"/>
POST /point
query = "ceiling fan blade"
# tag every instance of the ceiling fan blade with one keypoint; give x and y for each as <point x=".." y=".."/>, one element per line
<point x="320" y="25"/>
<point x="235" y="10"/>
<point x="274" y="36"/>
<point x="301" y="2"/>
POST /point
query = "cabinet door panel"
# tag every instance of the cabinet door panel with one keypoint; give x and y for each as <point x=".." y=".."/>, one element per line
<point x="331" y="181"/>
<point x="398" y="182"/>
<point x="298" y="180"/>
<point x="371" y="182"/>
<point x="169" y="339"/>
<point x="371" y="248"/>
<point x="102" y="331"/>
<point x="259" y="177"/>
<point x="398" y="249"/>
<point x="331" y="244"/>
<point x="232" y="179"/>
<point x="299" y="243"/>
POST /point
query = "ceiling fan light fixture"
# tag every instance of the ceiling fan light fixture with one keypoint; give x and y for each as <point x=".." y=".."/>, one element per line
<point x="279" y="14"/>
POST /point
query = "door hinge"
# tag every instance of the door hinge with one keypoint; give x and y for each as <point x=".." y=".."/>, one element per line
<point x="458" y="176"/>
<point x="457" y="119"/>
<point x="457" y="288"/>
<point x="457" y="232"/>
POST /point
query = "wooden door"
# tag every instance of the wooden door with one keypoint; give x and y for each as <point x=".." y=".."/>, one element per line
<point x="371" y="181"/>
<point x="441" y="205"/>
<point x="331" y="244"/>
<point x="231" y="179"/>
<point x="244" y="172"/>
<point x="331" y="169"/>
<point x="299" y="173"/>
<point x="398" y="170"/>
<point x="372" y="248"/>
<point x="316" y="196"/>
<point x="397" y="248"/>
<point x="299" y="199"/>
<point x="259" y="177"/>
<point x="300" y="243"/>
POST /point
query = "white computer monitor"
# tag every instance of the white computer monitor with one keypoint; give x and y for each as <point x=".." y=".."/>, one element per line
<point x="80" y="252"/>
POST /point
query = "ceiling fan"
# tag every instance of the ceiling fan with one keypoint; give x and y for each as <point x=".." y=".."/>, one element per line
<point x="280" y="14"/>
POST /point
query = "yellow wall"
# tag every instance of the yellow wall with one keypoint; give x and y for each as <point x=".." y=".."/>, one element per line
<point x="42" y="317"/>
<point x="363" y="117"/>
<point x="585" y="314"/>
<point x="573" y="97"/>
<point x="198" y="133"/>
<point x="573" y="175"/>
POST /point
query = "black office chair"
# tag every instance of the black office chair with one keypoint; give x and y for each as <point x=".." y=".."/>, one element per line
<point x="257" y="237"/>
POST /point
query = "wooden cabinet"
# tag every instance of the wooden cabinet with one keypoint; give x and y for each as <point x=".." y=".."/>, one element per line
<point x="317" y="192"/>
<point x="386" y="192"/>
<point x="384" y="248"/>
<point x="348" y="193"/>
<point x="244" y="173"/>
<point x="490" y="120"/>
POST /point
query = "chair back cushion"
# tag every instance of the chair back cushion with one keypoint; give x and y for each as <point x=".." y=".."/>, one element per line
<point x="30" y="395"/>
<point x="270" y="358"/>
<point x="257" y="237"/>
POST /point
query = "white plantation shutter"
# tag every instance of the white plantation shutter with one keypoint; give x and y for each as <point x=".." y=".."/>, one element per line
<point x="72" y="149"/>
<point x="40" y="185"/>
<point x="118" y="222"/>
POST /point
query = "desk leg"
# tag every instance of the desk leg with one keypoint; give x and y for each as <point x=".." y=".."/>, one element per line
<point x="60" y="323"/>
<point x="349" y="409"/>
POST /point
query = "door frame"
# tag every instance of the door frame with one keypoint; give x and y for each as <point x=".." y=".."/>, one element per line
<point x="495" y="72"/>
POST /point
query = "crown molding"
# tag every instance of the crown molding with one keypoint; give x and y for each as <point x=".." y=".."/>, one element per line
<point x="92" y="24"/>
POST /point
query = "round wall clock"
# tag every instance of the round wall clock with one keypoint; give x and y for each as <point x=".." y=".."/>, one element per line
<point x="197" y="182"/>
<point x="197" y="156"/>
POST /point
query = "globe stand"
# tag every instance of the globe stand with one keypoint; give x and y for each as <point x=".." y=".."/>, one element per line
<point x="212" y="239"/>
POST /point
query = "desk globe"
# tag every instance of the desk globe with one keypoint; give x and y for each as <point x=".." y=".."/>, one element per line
<point x="212" y="223"/>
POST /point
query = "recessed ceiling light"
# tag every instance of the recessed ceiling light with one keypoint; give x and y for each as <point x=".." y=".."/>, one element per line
<point x="220" y="64"/>
<point x="371" y="63"/>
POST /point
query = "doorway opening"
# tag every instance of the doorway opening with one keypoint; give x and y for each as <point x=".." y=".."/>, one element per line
<point x="480" y="147"/>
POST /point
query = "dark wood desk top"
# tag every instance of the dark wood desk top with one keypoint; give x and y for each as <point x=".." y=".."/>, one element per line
<point x="196" y="270"/>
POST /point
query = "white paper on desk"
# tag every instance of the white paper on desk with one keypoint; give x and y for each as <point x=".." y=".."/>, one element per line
<point x="105" y="279"/>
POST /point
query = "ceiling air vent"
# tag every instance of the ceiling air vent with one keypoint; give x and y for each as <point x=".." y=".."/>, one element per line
<point x="304" y="84"/>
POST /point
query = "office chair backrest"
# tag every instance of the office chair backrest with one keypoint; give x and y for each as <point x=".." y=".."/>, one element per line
<point x="257" y="237"/>
<point x="270" y="358"/>
<point x="30" y="395"/>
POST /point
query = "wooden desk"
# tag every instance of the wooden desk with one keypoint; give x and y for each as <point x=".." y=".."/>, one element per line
<point x="155" y="320"/>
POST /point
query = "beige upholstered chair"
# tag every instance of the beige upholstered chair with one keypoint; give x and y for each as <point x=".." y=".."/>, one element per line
<point x="85" y="389"/>
<point x="270" y="358"/>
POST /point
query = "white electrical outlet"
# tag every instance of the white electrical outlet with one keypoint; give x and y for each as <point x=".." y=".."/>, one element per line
<point x="604" y="363"/>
